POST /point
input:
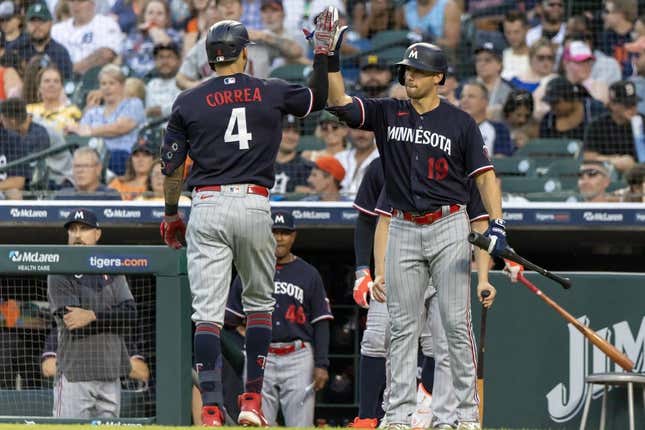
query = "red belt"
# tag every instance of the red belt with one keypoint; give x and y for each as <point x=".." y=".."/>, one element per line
<point x="427" y="218"/>
<point x="250" y="189"/>
<point x="288" y="349"/>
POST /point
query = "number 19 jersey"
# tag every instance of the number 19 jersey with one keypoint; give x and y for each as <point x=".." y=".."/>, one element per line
<point x="230" y="126"/>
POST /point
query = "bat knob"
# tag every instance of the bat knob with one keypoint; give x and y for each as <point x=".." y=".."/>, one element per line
<point x="485" y="294"/>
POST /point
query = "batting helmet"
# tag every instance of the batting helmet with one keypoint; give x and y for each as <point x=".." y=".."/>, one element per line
<point x="423" y="56"/>
<point x="225" y="41"/>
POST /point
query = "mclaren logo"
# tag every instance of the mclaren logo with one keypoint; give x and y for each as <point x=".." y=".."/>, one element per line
<point x="33" y="257"/>
<point x="413" y="54"/>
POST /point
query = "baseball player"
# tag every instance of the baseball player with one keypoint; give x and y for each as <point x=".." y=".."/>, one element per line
<point x="230" y="127"/>
<point x="93" y="314"/>
<point x="298" y="355"/>
<point x="429" y="149"/>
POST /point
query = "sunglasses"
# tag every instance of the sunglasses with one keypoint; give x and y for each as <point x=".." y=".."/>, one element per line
<point x="589" y="172"/>
<point x="545" y="57"/>
<point x="329" y="126"/>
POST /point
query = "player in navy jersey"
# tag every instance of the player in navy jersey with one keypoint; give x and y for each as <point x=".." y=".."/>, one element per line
<point x="230" y="126"/>
<point x="298" y="355"/>
<point x="429" y="149"/>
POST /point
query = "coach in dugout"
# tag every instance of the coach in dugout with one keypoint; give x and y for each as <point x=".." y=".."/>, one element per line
<point x="93" y="314"/>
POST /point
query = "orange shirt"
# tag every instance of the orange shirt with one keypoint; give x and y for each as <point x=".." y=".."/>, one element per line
<point x="129" y="191"/>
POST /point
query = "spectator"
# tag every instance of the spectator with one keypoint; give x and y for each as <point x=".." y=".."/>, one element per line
<point x="448" y="90"/>
<point x="39" y="27"/>
<point x="325" y="179"/>
<point x="635" y="191"/>
<point x="54" y="108"/>
<point x="279" y="44"/>
<point x="488" y="64"/>
<point x="541" y="62"/>
<point x="162" y="90"/>
<point x="380" y="15"/>
<point x="92" y="40"/>
<point x="30" y="77"/>
<point x="593" y="180"/>
<point x="497" y="138"/>
<point x="488" y="14"/>
<point x="300" y="14"/>
<point x="639" y="27"/>
<point x="10" y="82"/>
<point x="12" y="26"/>
<point x="637" y="48"/>
<point x="154" y="30"/>
<point x="333" y="133"/>
<point x="552" y="26"/>
<point x="135" y="88"/>
<point x="439" y="21"/>
<point x="610" y="137"/>
<point x="13" y="180"/>
<point x="577" y="63"/>
<point x="87" y="170"/>
<point x="356" y="158"/>
<point x="515" y="58"/>
<point x="116" y="120"/>
<point x="291" y="169"/>
<point x="518" y="117"/>
<point x="571" y="110"/>
<point x="605" y="68"/>
<point x="618" y="17"/>
<point x="154" y="190"/>
<point x="93" y="314"/>
<point x="123" y="12"/>
<point x="375" y="76"/>
<point x="137" y="171"/>
<point x="251" y="16"/>
<point x="14" y="117"/>
<point x="197" y="25"/>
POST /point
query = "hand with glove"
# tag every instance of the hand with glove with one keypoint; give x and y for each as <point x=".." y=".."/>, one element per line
<point x="497" y="234"/>
<point x="513" y="269"/>
<point x="361" y="287"/>
<point x="173" y="230"/>
<point x="327" y="36"/>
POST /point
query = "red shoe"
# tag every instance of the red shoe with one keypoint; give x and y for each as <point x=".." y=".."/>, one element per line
<point x="251" y="410"/>
<point x="212" y="416"/>
<point x="364" y="423"/>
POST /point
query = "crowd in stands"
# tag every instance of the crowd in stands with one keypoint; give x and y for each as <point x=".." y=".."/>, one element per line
<point x="99" y="77"/>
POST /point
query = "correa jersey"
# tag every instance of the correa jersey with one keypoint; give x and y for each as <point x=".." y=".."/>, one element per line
<point x="230" y="126"/>
<point x="426" y="157"/>
<point x="475" y="207"/>
<point x="300" y="301"/>
<point x="370" y="188"/>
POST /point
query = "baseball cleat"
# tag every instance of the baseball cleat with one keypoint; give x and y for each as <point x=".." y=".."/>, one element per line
<point x="364" y="423"/>
<point x="251" y="410"/>
<point x="212" y="416"/>
<point x="443" y="427"/>
<point x="470" y="425"/>
<point x="422" y="416"/>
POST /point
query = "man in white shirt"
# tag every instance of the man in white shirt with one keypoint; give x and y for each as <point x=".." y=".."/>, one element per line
<point x="162" y="90"/>
<point x="356" y="159"/>
<point x="300" y="14"/>
<point x="92" y="40"/>
<point x="515" y="58"/>
<point x="551" y="25"/>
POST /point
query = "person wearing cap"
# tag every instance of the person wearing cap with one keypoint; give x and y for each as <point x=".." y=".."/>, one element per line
<point x="571" y="110"/>
<point x="87" y="170"/>
<point x="515" y="58"/>
<point x="333" y="132"/>
<point x="91" y="39"/>
<point x="39" y="26"/>
<point x="275" y="37"/>
<point x="291" y="168"/>
<point x="593" y="181"/>
<point x="325" y="180"/>
<point x="375" y="76"/>
<point x="137" y="169"/>
<point x="618" y="18"/>
<point x="552" y="26"/>
<point x="612" y="137"/>
<point x="296" y="366"/>
<point x="577" y="62"/>
<point x="488" y="65"/>
<point x="356" y="158"/>
<point x="162" y="90"/>
<point x="12" y="180"/>
<point x="155" y="29"/>
<point x="439" y="21"/>
<point x="93" y="315"/>
<point x="637" y="49"/>
<point x="12" y="26"/>
<point x="635" y="191"/>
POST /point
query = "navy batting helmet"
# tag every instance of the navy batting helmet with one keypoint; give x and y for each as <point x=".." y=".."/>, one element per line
<point x="225" y="41"/>
<point x="423" y="56"/>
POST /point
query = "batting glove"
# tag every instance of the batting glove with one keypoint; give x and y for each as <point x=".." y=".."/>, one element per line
<point x="325" y="34"/>
<point x="497" y="234"/>
<point x="362" y="288"/>
<point x="172" y="230"/>
<point x="513" y="269"/>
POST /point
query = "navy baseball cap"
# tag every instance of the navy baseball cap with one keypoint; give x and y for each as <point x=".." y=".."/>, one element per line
<point x="83" y="216"/>
<point x="283" y="221"/>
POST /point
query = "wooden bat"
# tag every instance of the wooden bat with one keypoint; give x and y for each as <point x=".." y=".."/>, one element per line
<point x="480" y="359"/>
<point x="610" y="350"/>
<point x="483" y="242"/>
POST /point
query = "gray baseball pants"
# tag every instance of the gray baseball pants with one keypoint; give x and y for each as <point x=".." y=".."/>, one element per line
<point x="87" y="399"/>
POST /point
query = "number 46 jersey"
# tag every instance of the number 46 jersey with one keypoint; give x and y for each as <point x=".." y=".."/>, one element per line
<point x="230" y="126"/>
<point x="300" y="301"/>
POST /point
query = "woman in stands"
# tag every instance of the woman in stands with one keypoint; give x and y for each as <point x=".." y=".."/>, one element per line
<point x="155" y="186"/>
<point x="135" y="180"/>
<point x="110" y="115"/>
<point x="54" y="108"/>
<point x="377" y="15"/>
<point x="436" y="20"/>
<point x="518" y="117"/>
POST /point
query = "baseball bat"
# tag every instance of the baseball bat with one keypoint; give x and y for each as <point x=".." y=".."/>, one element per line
<point x="610" y="350"/>
<point x="480" y="359"/>
<point x="483" y="242"/>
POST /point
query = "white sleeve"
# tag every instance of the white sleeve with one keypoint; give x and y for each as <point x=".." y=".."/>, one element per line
<point x="109" y="35"/>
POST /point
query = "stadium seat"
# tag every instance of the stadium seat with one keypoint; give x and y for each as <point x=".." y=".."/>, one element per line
<point x="389" y="38"/>
<point x="391" y="55"/>
<point x="551" y="148"/>
<point x="565" y="170"/>
<point x="514" y="166"/>
<point x="296" y="73"/>
<point x="310" y="143"/>
<point x="521" y="185"/>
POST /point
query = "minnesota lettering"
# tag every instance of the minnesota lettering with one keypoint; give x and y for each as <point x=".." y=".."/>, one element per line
<point x="289" y="289"/>
<point x="420" y="137"/>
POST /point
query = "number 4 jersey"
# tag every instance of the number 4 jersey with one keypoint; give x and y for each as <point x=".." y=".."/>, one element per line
<point x="230" y="126"/>
<point x="300" y="301"/>
<point x="427" y="158"/>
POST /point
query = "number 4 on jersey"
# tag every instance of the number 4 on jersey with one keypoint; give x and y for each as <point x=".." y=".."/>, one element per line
<point x="238" y="116"/>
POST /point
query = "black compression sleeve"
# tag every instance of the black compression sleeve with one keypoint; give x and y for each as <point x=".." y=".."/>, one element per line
<point x="364" y="239"/>
<point x="321" y="343"/>
<point x="319" y="82"/>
